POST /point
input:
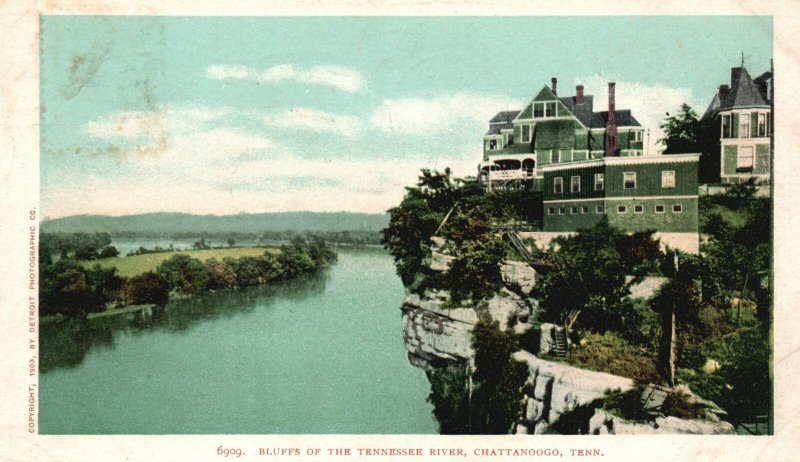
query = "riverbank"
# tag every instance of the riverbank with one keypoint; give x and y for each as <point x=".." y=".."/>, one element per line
<point x="134" y="265"/>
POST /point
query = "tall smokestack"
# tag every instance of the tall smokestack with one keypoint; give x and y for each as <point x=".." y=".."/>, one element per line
<point x="579" y="94"/>
<point x="554" y="82"/>
<point x="611" y="124"/>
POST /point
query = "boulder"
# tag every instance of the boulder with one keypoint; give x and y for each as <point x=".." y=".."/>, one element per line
<point x="518" y="276"/>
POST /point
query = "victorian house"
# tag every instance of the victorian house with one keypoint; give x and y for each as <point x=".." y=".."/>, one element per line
<point x="740" y="118"/>
<point x="589" y="165"/>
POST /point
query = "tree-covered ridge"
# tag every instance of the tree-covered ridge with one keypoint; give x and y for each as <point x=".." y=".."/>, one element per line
<point x="70" y="289"/>
<point x="152" y="224"/>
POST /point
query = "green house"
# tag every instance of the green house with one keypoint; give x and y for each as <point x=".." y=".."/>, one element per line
<point x="740" y="117"/>
<point x="589" y="165"/>
<point x="551" y="130"/>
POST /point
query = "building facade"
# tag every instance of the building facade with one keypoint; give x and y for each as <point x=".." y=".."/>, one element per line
<point x="740" y="117"/>
<point x="554" y="130"/>
<point x="590" y="165"/>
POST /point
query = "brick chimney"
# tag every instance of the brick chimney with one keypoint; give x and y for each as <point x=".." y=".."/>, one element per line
<point x="554" y="82"/>
<point x="724" y="90"/>
<point x="579" y="94"/>
<point x="611" y="124"/>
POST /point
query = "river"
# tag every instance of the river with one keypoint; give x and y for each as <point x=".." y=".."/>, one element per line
<point x="323" y="355"/>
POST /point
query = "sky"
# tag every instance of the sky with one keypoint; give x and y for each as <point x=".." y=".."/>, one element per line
<point x="223" y="115"/>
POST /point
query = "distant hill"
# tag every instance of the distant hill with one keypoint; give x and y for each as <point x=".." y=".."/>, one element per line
<point x="182" y="223"/>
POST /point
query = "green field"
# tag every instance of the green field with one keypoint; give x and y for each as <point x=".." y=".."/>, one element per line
<point x="137" y="264"/>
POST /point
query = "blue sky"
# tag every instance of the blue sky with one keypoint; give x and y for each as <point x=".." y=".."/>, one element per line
<point x="224" y="115"/>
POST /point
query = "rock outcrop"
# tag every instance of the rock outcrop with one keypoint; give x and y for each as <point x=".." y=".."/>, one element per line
<point x="556" y="396"/>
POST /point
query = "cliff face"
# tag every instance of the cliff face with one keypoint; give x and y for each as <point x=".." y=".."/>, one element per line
<point x="435" y="335"/>
<point x="556" y="397"/>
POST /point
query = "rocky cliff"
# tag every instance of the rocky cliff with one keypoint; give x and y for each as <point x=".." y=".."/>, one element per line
<point x="556" y="397"/>
<point x="434" y="334"/>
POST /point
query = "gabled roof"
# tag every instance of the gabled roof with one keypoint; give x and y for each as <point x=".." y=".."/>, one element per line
<point x="583" y="111"/>
<point x="624" y="119"/>
<point x="500" y="121"/>
<point x="744" y="92"/>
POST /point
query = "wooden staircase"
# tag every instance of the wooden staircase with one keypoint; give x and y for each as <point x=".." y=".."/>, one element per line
<point x="516" y="241"/>
<point x="561" y="347"/>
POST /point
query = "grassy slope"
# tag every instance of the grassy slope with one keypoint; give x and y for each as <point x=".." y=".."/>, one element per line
<point x="137" y="264"/>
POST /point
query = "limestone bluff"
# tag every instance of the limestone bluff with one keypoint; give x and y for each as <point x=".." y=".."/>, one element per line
<point x="556" y="397"/>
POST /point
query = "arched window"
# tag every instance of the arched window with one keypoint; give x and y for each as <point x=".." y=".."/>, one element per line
<point x="528" y="165"/>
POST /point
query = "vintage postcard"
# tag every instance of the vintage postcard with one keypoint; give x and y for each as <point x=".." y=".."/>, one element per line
<point x="345" y="232"/>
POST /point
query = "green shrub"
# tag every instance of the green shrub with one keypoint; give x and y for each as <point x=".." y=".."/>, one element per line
<point x="610" y="353"/>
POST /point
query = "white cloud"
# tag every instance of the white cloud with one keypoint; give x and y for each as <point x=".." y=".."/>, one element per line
<point x="648" y="103"/>
<point x="174" y="135"/>
<point x="319" y="121"/>
<point x="337" y="77"/>
<point x="426" y="116"/>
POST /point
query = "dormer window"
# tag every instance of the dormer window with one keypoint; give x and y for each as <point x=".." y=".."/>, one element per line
<point x="544" y="109"/>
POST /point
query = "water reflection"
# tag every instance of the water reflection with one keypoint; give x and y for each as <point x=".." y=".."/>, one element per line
<point x="65" y="343"/>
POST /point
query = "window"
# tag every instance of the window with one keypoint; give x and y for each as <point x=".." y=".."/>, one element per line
<point x="668" y="178"/>
<point x="598" y="181"/>
<point x="599" y="209"/>
<point x="629" y="180"/>
<point x="562" y="210"/>
<point x="659" y="209"/>
<point x="677" y="208"/>
<point x="638" y="209"/>
<point x="573" y="210"/>
<point x="744" y="159"/>
<point x="558" y="185"/>
<point x="551" y="210"/>
<point x="492" y="145"/>
<point x="762" y="124"/>
<point x="585" y="210"/>
<point x="547" y="109"/>
<point x="554" y="156"/>
<point x="575" y="184"/>
<point x="744" y="125"/>
<point x="550" y="109"/>
<point x="637" y="136"/>
<point x="621" y="209"/>
<point x="526" y="133"/>
<point x="727" y="126"/>
<point x="511" y="139"/>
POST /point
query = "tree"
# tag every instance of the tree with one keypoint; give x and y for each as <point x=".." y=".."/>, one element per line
<point x="475" y="272"/>
<point x="108" y="251"/>
<point x="681" y="131"/>
<point x="147" y="288"/>
<point x="589" y="280"/>
<point x="498" y="379"/>
<point x="68" y="290"/>
<point x="184" y="274"/>
<point x="678" y="303"/>
<point x="221" y="275"/>
<point x="231" y="242"/>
